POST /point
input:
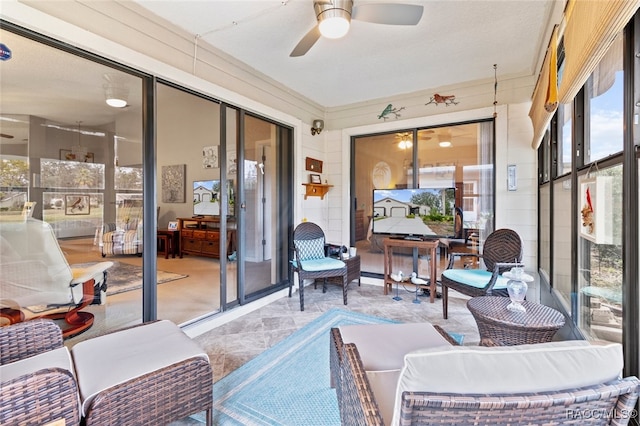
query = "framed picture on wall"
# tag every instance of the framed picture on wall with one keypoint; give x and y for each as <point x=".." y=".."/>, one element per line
<point x="173" y="183"/>
<point x="77" y="205"/>
<point x="313" y="178"/>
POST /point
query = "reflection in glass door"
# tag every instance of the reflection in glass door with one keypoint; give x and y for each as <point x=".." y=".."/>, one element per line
<point x="262" y="211"/>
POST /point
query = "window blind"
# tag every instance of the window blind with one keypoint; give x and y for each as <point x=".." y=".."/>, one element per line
<point x="591" y="27"/>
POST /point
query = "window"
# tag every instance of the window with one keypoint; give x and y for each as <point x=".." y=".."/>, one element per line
<point x="604" y="92"/>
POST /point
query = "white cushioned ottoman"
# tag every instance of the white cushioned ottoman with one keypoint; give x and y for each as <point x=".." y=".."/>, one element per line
<point x="148" y="374"/>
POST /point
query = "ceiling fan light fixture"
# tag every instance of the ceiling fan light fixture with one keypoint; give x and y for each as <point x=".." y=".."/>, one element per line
<point x="335" y="26"/>
<point x="334" y="18"/>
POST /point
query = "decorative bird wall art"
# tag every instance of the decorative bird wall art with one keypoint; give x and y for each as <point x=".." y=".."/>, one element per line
<point x="443" y="99"/>
<point x="390" y="110"/>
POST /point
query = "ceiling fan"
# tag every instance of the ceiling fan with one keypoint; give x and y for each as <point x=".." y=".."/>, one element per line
<point x="334" y="18"/>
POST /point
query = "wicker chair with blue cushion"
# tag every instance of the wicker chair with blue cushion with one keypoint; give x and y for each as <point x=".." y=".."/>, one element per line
<point x="310" y="261"/>
<point x="501" y="251"/>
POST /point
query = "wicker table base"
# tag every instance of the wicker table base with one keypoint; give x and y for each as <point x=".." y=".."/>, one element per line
<point x="499" y="326"/>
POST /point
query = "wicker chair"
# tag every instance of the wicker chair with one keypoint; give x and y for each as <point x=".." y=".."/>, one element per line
<point x="35" y="395"/>
<point x="607" y="403"/>
<point x="501" y="251"/>
<point x="310" y="261"/>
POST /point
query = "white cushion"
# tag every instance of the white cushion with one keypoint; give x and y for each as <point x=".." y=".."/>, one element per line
<point x="382" y="348"/>
<point x="56" y="358"/>
<point x="512" y="369"/>
<point x="109" y="360"/>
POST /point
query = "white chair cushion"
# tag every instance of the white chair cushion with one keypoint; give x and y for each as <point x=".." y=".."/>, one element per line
<point x="51" y="359"/>
<point x="109" y="360"/>
<point x="475" y="277"/>
<point x="382" y="348"/>
<point x="512" y="369"/>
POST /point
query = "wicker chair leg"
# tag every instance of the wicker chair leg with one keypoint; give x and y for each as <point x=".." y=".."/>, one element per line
<point x="324" y="285"/>
<point x="209" y="417"/>
<point x="345" y="284"/>
<point x="445" y="302"/>
<point x="301" y="291"/>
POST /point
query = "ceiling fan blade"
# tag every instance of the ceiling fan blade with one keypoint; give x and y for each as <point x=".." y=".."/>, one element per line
<point x="306" y="43"/>
<point x="4" y="135"/>
<point x="386" y="13"/>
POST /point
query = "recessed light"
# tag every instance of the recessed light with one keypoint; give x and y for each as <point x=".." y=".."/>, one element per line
<point x="445" y="144"/>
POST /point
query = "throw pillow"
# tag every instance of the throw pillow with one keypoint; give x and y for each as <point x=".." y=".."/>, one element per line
<point x="310" y="249"/>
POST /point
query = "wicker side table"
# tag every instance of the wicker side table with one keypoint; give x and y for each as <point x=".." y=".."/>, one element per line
<point x="499" y="326"/>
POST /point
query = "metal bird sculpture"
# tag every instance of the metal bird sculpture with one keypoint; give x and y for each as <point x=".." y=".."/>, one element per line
<point x="443" y="99"/>
<point x="399" y="277"/>
<point x="418" y="282"/>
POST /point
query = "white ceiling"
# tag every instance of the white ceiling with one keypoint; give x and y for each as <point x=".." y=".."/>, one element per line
<point x="456" y="42"/>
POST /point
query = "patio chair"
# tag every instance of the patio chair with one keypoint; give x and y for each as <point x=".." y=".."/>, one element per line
<point x="310" y="261"/>
<point x="501" y="251"/>
<point x="37" y="281"/>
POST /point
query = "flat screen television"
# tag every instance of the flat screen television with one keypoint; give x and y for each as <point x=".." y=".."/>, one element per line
<point x="414" y="212"/>
<point x="206" y="198"/>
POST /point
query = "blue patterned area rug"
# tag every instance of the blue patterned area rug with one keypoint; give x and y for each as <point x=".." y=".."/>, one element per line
<point x="287" y="384"/>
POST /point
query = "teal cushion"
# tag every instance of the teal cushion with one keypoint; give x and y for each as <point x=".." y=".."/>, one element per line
<point x="324" y="264"/>
<point x="604" y="293"/>
<point x="477" y="278"/>
<point x="310" y="249"/>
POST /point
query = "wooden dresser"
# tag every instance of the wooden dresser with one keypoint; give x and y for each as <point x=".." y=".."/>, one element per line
<point x="201" y="236"/>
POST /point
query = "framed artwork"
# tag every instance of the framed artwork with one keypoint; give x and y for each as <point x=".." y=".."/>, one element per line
<point x="173" y="183"/>
<point x="313" y="165"/>
<point x="173" y="225"/>
<point x="67" y="155"/>
<point x="77" y="205"/>
<point x="313" y="178"/>
<point x="595" y="221"/>
<point x="210" y="157"/>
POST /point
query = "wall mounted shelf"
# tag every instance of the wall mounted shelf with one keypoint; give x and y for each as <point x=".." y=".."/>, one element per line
<point x="316" y="190"/>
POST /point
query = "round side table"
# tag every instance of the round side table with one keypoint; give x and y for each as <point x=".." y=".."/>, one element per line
<point x="499" y="326"/>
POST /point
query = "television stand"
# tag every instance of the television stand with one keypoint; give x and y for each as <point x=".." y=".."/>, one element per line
<point x="428" y="245"/>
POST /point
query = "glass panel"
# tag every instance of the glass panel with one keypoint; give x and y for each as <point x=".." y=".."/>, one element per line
<point x="561" y="281"/>
<point x="189" y="186"/>
<point x="604" y="89"/>
<point x="261" y="161"/>
<point x="456" y="157"/>
<point x="564" y="138"/>
<point x="545" y="230"/>
<point x="600" y="255"/>
<point x="60" y="152"/>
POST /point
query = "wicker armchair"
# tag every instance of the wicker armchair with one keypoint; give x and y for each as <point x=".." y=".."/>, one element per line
<point x="501" y="251"/>
<point x="310" y="261"/>
<point x="32" y="394"/>
<point x="611" y="402"/>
